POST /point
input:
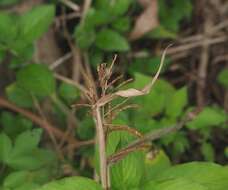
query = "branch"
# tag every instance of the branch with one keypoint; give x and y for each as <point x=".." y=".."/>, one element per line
<point x="147" y="138"/>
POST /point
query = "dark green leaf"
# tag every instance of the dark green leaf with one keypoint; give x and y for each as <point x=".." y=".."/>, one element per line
<point x="84" y="36"/>
<point x="110" y="40"/>
<point x="5" y="147"/>
<point x="19" y="96"/>
<point x="68" y="92"/>
<point x="36" y="79"/>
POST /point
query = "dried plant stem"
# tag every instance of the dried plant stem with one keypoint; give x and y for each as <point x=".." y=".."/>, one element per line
<point x="102" y="147"/>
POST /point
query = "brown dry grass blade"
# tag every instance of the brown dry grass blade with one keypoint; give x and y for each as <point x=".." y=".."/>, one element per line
<point x="131" y="92"/>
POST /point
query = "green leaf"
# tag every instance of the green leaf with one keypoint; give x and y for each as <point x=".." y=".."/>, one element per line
<point x="84" y="36"/>
<point x="85" y="129"/>
<point x="208" y="175"/>
<point x="223" y="78"/>
<point x="27" y="141"/>
<point x="68" y="92"/>
<point x="209" y="117"/>
<point x="161" y="32"/>
<point x="36" y="79"/>
<point x="116" y="8"/>
<point x="155" y="163"/>
<point x="35" y="159"/>
<point x="8" y="29"/>
<point x="5" y="147"/>
<point x="96" y="17"/>
<point x="14" y="125"/>
<point x="110" y="40"/>
<point x="128" y="172"/>
<point x="122" y="24"/>
<point x="72" y="183"/>
<point x="149" y="65"/>
<point x="208" y="151"/>
<point x="15" y="179"/>
<point x="174" y="184"/>
<point x="35" y="22"/>
<point x="171" y="14"/>
<point x="19" y="96"/>
<point x="177" y="103"/>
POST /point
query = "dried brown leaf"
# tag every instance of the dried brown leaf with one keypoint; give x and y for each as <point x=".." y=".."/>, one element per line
<point x="147" y="21"/>
<point x="134" y="92"/>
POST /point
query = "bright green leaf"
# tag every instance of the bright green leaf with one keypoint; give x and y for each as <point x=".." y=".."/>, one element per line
<point x="176" y="104"/>
<point x="209" y="175"/>
<point x="36" y="21"/>
<point x="155" y="163"/>
<point x="72" y="183"/>
<point x="111" y="40"/>
<point x="209" y="117"/>
<point x="128" y="172"/>
<point x="27" y="141"/>
<point x="36" y="79"/>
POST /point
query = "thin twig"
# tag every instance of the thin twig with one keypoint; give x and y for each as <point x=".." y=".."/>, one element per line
<point x="148" y="137"/>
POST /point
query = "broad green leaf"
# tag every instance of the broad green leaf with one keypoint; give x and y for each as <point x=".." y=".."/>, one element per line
<point x="14" y="124"/>
<point x="209" y="117"/>
<point x="177" y="103"/>
<point x="36" y="21"/>
<point x="5" y="147"/>
<point x="68" y="92"/>
<point x="113" y="142"/>
<point x="209" y="175"/>
<point x="174" y="184"/>
<point x="223" y="78"/>
<point x="19" y="96"/>
<point x="96" y="17"/>
<point x="110" y="40"/>
<point x="8" y="29"/>
<point x="155" y="163"/>
<point x="36" y="79"/>
<point x="128" y="172"/>
<point x="27" y="141"/>
<point x="35" y="159"/>
<point x="72" y="183"/>
<point x="208" y="151"/>
<point x="15" y="179"/>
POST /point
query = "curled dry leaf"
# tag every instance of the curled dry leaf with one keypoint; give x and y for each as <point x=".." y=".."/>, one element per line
<point x="134" y="92"/>
<point x="147" y="21"/>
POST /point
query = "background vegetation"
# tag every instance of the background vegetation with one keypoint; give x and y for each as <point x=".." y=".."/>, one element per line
<point x="49" y="54"/>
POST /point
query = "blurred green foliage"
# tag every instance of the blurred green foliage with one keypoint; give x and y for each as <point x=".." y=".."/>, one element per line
<point x="103" y="32"/>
